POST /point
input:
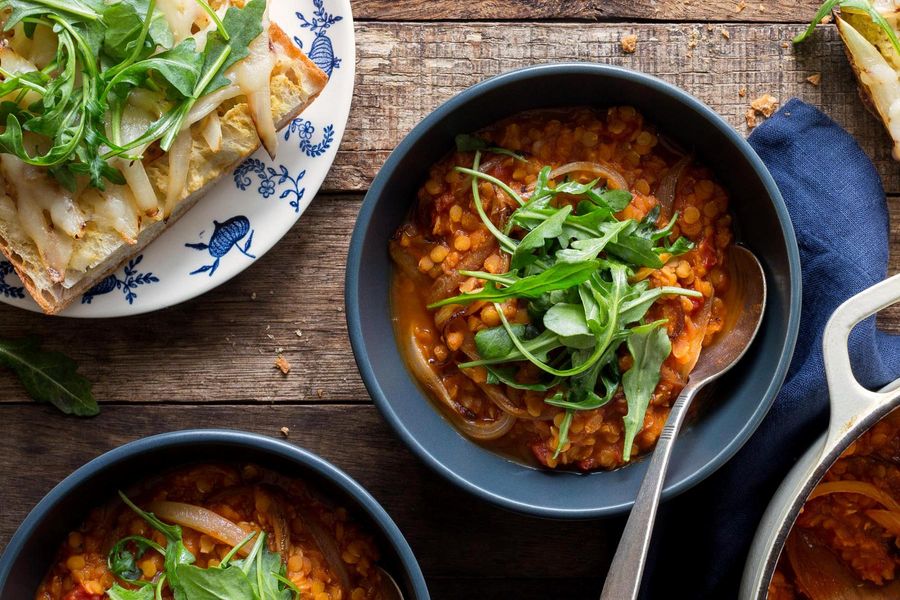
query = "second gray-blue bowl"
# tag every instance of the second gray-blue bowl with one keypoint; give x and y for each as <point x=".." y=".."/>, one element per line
<point x="33" y="547"/>
<point x="761" y="223"/>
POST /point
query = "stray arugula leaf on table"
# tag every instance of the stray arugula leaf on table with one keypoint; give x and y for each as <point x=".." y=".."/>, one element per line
<point x="49" y="377"/>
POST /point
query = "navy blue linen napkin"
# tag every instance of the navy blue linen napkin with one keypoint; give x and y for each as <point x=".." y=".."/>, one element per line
<point x="837" y="205"/>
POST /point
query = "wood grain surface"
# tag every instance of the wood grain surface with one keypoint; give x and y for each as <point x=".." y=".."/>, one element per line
<point x="210" y="362"/>
<point x="405" y="70"/>
<point x="778" y="11"/>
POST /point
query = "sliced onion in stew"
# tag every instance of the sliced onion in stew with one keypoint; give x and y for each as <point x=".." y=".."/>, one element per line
<point x="613" y="178"/>
<point x="863" y="488"/>
<point x="328" y="546"/>
<point x="822" y="576"/>
<point x="668" y="186"/>
<point x="203" y="520"/>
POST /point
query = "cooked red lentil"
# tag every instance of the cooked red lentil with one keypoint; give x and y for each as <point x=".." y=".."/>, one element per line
<point x="445" y="235"/>
<point x="323" y="553"/>
<point x="854" y="513"/>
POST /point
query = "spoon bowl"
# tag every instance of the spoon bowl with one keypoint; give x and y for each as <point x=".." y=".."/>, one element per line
<point x="747" y="297"/>
<point x="390" y="589"/>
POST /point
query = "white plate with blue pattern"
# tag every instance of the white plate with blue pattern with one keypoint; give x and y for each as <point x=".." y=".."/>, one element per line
<point x="249" y="211"/>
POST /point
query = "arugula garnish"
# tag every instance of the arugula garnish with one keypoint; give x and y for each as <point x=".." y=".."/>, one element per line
<point x="105" y="52"/>
<point x="864" y="6"/>
<point x="574" y="261"/>
<point x="49" y="377"/>
<point x="262" y="575"/>
<point x="649" y="345"/>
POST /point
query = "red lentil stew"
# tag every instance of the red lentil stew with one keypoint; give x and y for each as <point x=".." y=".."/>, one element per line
<point x="216" y="531"/>
<point x="556" y="281"/>
<point x="846" y="541"/>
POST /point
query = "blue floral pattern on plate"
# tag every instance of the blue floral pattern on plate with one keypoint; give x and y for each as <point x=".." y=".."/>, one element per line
<point x="305" y="131"/>
<point x="7" y="290"/>
<point x="131" y="279"/>
<point x="225" y="237"/>
<point x="269" y="178"/>
<point x="321" y="51"/>
<point x="270" y="194"/>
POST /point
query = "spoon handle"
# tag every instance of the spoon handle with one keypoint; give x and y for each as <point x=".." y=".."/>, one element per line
<point x="623" y="582"/>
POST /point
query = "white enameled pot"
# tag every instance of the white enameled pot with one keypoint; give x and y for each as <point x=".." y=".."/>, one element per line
<point x="854" y="410"/>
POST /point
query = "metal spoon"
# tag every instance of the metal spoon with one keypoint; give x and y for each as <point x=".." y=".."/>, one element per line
<point x="390" y="589"/>
<point x="747" y="298"/>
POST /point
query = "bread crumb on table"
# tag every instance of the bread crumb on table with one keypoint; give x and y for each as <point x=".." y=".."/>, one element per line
<point x="285" y="431"/>
<point x="766" y="104"/>
<point x="629" y="43"/>
<point x="750" y="116"/>
<point x="742" y="92"/>
<point x="725" y="33"/>
<point x="693" y="40"/>
<point x="815" y="79"/>
<point x="741" y="5"/>
<point x="282" y="364"/>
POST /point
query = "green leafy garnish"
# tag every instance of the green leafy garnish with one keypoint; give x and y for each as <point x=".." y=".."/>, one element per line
<point x="49" y="377"/>
<point x="117" y="592"/>
<point x="471" y="143"/>
<point x="864" y="6"/>
<point x="259" y="576"/>
<point x="649" y="346"/>
<point x="573" y="260"/>
<point x="105" y="52"/>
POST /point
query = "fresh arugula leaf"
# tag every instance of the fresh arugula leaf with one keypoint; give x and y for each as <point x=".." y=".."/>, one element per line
<point x="122" y="560"/>
<point x="639" y="302"/>
<point x="617" y="200"/>
<point x="243" y="26"/>
<point x="117" y="592"/>
<point x="507" y="376"/>
<point x="171" y="532"/>
<point x="864" y="6"/>
<point x="179" y="67"/>
<point x="472" y="143"/>
<point x="566" y="320"/>
<point x="494" y="342"/>
<point x="538" y="346"/>
<point x="195" y="583"/>
<point x="263" y="568"/>
<point x="125" y="21"/>
<point x="564" y="432"/>
<point x="649" y="346"/>
<point x="589" y="249"/>
<point x="69" y="9"/>
<point x="549" y="229"/>
<point x="49" y="377"/>
<point x="560" y="276"/>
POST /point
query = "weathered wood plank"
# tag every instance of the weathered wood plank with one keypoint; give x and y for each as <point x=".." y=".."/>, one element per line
<point x="639" y="10"/>
<point x="218" y="346"/>
<point x="405" y="70"/>
<point x="436" y="518"/>
<point x="223" y="345"/>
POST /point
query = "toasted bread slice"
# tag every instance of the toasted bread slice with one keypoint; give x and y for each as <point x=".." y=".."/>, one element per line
<point x="100" y="249"/>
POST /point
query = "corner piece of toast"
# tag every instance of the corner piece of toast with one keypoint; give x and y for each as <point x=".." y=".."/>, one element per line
<point x="295" y="82"/>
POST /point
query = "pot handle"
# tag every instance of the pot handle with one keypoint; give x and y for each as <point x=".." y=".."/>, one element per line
<point x="849" y="400"/>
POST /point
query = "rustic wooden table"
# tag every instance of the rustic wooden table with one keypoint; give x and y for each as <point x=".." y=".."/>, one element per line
<point x="209" y="362"/>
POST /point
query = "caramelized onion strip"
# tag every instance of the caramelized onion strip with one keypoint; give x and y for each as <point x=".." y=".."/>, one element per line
<point x="203" y="520"/>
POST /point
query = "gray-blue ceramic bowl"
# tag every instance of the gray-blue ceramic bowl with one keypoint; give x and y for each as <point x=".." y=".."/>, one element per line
<point x="761" y="223"/>
<point x="33" y="547"/>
